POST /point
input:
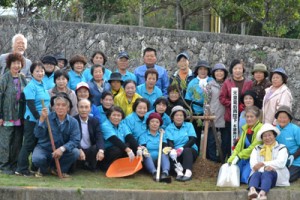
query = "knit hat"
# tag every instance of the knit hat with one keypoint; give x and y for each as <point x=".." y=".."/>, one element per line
<point x="250" y="93"/>
<point x="285" y="109"/>
<point x="49" y="60"/>
<point x="82" y="84"/>
<point x="267" y="127"/>
<point x="182" y="54"/>
<point x="201" y="63"/>
<point x="177" y="108"/>
<point x="156" y="116"/>
<point x="260" y="68"/>
<point x="218" y="66"/>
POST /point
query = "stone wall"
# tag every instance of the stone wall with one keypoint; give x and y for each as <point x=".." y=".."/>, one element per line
<point x="72" y="38"/>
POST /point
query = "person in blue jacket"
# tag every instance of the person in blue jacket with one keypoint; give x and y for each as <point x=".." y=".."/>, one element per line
<point x="149" y="56"/>
<point x="196" y="94"/>
<point x="290" y="137"/>
<point x="149" y="147"/>
<point x="136" y="120"/>
<point x="160" y="106"/>
<point x="83" y="92"/>
<point x="77" y="64"/>
<point x="107" y="101"/>
<point x="118" y="140"/>
<point x="34" y="93"/>
<point x="49" y="63"/>
<point x="122" y="66"/>
<point x="181" y="137"/>
<point x="97" y="84"/>
<point x="148" y="89"/>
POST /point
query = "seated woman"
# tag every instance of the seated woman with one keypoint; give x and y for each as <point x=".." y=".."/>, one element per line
<point x="107" y="101"/>
<point x="118" y="140"/>
<point x="148" y="89"/>
<point x="181" y="137"/>
<point x="126" y="100"/>
<point x="160" y="106"/>
<point x="149" y="142"/>
<point x="136" y="120"/>
<point x="246" y="143"/>
<point x="267" y="162"/>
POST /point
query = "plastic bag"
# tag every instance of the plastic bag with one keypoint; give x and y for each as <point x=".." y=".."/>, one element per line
<point x="229" y="176"/>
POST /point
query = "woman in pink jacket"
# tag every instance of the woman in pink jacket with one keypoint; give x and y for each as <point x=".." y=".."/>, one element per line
<point x="237" y="79"/>
<point x="276" y="95"/>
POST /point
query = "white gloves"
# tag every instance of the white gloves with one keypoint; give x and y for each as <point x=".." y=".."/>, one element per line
<point x="139" y="151"/>
<point x="130" y="155"/>
<point x="290" y="161"/>
<point x="235" y="160"/>
<point x="173" y="154"/>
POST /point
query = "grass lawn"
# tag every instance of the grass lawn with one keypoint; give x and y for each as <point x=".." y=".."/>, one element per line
<point x="140" y="181"/>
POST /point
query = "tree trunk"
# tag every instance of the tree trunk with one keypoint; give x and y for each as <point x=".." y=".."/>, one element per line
<point x="141" y="13"/>
<point x="243" y="28"/>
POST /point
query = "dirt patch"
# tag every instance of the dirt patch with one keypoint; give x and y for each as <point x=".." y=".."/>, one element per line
<point x="204" y="168"/>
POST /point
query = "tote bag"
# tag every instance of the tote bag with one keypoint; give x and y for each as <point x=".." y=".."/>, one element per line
<point x="229" y="176"/>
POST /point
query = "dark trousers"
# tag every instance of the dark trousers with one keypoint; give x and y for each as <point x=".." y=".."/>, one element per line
<point x="90" y="161"/>
<point x="29" y="142"/>
<point x="187" y="158"/>
<point x="11" y="138"/>
<point x="110" y="155"/>
<point x="294" y="173"/>
<point x="211" y="152"/>
<point x="263" y="180"/>
<point x="226" y="140"/>
<point x="198" y="130"/>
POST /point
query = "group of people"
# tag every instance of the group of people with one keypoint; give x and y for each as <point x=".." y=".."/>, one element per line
<point x="97" y="116"/>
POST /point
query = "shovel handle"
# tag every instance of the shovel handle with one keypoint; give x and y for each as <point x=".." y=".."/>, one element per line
<point x="161" y="131"/>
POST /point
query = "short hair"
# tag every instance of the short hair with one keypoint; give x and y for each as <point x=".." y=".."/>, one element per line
<point x="35" y="65"/>
<point x="254" y="110"/>
<point x="129" y="81"/>
<point x="62" y="98"/>
<point x="151" y="71"/>
<point x="61" y="95"/>
<point x="96" y="66"/>
<point x="117" y="109"/>
<point x="160" y="100"/>
<point x="19" y="35"/>
<point x="102" y="54"/>
<point x="174" y="87"/>
<point x="141" y="100"/>
<point x="77" y="58"/>
<point x="234" y="63"/>
<point x="106" y="93"/>
<point x="84" y="100"/>
<point x="149" y="49"/>
<point x="60" y="73"/>
<point x="12" y="57"/>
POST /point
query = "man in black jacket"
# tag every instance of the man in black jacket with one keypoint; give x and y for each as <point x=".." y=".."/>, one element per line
<point x="91" y="143"/>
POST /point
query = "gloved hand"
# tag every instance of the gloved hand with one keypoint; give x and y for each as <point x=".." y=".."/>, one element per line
<point x="139" y="151"/>
<point x="235" y="160"/>
<point x="290" y="161"/>
<point x="179" y="151"/>
<point x="130" y="155"/>
<point x="173" y="154"/>
<point x="166" y="150"/>
<point x="146" y="153"/>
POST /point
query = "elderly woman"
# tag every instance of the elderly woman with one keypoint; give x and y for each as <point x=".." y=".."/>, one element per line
<point x="237" y="79"/>
<point x="290" y="137"/>
<point x="160" y="106"/>
<point x="267" y="162"/>
<point x="126" y="100"/>
<point x="148" y="89"/>
<point x="98" y="58"/>
<point x="181" y="137"/>
<point x="149" y="148"/>
<point x="136" y="120"/>
<point x="77" y="63"/>
<point x="11" y="112"/>
<point x="174" y="98"/>
<point x="219" y="74"/>
<point x="195" y="93"/>
<point x="97" y="84"/>
<point x="118" y="140"/>
<point x="61" y="79"/>
<point x="247" y="142"/>
<point x="107" y="101"/>
<point x="276" y="95"/>
<point x="34" y="93"/>
<point x="260" y="83"/>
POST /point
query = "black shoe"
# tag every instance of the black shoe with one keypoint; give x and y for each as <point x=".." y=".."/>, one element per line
<point x="165" y="178"/>
<point x="185" y="178"/>
<point x="178" y="178"/>
<point x="154" y="176"/>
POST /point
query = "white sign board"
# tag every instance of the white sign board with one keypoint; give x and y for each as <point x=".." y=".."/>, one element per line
<point x="234" y="114"/>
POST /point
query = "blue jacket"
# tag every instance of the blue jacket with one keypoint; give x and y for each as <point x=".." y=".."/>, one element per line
<point x="135" y="125"/>
<point x="166" y="119"/>
<point x="181" y="136"/>
<point x="75" y="79"/>
<point x="128" y="76"/>
<point x="49" y="81"/>
<point x="102" y="114"/>
<point x="96" y="94"/>
<point x="156" y="93"/>
<point x="290" y="137"/>
<point x="163" y="78"/>
<point x="95" y="113"/>
<point x="66" y="134"/>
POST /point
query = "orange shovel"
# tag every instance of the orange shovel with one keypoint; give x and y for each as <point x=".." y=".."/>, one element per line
<point x="123" y="167"/>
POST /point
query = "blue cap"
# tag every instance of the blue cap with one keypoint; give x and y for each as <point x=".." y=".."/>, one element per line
<point x="280" y="70"/>
<point x="123" y="54"/>
<point x="184" y="53"/>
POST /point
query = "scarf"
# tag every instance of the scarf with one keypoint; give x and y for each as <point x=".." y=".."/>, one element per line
<point x="266" y="151"/>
